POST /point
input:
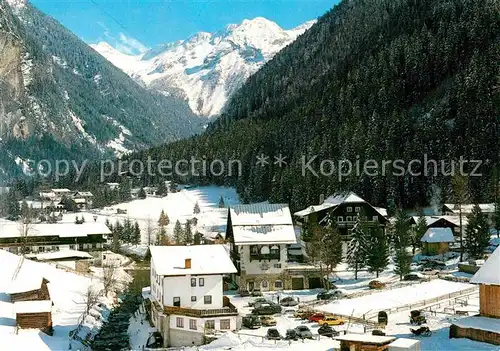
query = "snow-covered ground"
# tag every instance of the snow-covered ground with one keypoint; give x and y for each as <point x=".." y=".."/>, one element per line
<point x="67" y="291"/>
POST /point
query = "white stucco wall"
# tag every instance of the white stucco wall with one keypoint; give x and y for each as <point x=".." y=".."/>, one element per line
<point x="256" y="267"/>
<point x="181" y="287"/>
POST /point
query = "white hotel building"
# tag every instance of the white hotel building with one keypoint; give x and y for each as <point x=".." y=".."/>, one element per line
<point x="187" y="293"/>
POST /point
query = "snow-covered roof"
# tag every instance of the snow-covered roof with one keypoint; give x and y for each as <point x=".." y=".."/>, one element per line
<point x="205" y="259"/>
<point x="489" y="273"/>
<point x="478" y="322"/>
<point x="404" y="343"/>
<point x="63" y="230"/>
<point x="338" y="199"/>
<point x="63" y="190"/>
<point x="80" y="201"/>
<point x="260" y="214"/>
<point x="18" y="274"/>
<point x="438" y="235"/>
<point x="33" y="306"/>
<point x="56" y="255"/>
<point x="84" y="194"/>
<point x="366" y="338"/>
<point x="467" y="208"/>
<point x="24" y="284"/>
<point x="449" y="218"/>
<point x="272" y="234"/>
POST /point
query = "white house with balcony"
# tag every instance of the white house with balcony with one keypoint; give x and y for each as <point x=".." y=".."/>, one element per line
<point x="187" y="293"/>
<point x="260" y="235"/>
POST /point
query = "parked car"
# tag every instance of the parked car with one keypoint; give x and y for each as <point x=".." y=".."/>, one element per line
<point x="252" y="322"/>
<point x="291" y="334"/>
<point x="324" y="295"/>
<point x="289" y="311"/>
<point x="288" y="301"/>
<point x="413" y="276"/>
<point x="303" y="314"/>
<point x="268" y="321"/>
<point x="256" y="292"/>
<point x="257" y="301"/>
<point x="243" y="292"/>
<point x="376" y="284"/>
<point x="267" y="309"/>
<point x="316" y="317"/>
<point x="326" y="330"/>
<point x="378" y="332"/>
<point x="416" y="318"/>
<point x="430" y="271"/>
<point x="303" y="332"/>
<point x="273" y="334"/>
<point x="331" y="320"/>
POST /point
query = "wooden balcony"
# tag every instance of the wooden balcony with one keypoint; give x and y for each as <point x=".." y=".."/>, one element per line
<point x="229" y="310"/>
<point x="261" y="257"/>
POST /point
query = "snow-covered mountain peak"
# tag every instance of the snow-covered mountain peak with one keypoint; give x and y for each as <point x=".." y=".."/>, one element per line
<point x="207" y="68"/>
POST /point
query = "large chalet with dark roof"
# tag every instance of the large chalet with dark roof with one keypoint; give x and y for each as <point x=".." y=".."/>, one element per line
<point x="343" y="208"/>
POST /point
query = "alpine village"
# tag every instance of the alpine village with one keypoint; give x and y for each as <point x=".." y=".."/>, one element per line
<point x="332" y="186"/>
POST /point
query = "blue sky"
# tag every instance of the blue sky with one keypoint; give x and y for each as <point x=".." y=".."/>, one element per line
<point x="135" y="24"/>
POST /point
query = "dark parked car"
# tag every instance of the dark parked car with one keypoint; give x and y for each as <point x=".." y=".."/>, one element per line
<point x="324" y="295"/>
<point x="291" y="334"/>
<point x="252" y="322"/>
<point x="257" y="301"/>
<point x="273" y="334"/>
<point x="303" y="332"/>
<point x="243" y="292"/>
<point x="327" y="331"/>
<point x="256" y="292"/>
<point x="265" y="309"/>
<point x="288" y="301"/>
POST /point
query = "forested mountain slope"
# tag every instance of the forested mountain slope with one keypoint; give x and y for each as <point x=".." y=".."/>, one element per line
<point x="61" y="99"/>
<point x="372" y="79"/>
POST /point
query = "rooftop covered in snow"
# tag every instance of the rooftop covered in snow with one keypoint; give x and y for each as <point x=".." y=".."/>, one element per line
<point x="489" y="273"/>
<point x="366" y="338"/>
<point x="272" y="234"/>
<point x="467" y="208"/>
<point x="260" y="214"/>
<point x="481" y="323"/>
<point x="63" y="254"/>
<point x="63" y="230"/>
<point x="33" y="306"/>
<point x="203" y="260"/>
<point x="438" y="235"/>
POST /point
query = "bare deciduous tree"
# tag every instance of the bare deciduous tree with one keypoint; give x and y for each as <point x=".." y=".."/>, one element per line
<point x="110" y="278"/>
<point x="91" y="299"/>
<point x="26" y="224"/>
<point x="150" y="231"/>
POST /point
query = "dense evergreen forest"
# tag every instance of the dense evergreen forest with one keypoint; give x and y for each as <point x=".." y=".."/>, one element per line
<point x="373" y="79"/>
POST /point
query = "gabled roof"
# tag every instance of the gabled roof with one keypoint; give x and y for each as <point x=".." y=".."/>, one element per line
<point x="489" y="273"/>
<point x="451" y="219"/>
<point x="438" y="235"/>
<point x="467" y="208"/>
<point x="39" y="306"/>
<point x="338" y="199"/>
<point x="260" y="214"/>
<point x="205" y="260"/>
<point x="272" y="234"/>
<point x="63" y="230"/>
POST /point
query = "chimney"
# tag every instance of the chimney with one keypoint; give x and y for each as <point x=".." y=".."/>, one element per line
<point x="187" y="263"/>
<point x="321" y="198"/>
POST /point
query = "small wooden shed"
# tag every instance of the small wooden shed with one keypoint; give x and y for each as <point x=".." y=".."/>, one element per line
<point x="436" y="241"/>
<point x="34" y="315"/>
<point x="364" y="342"/>
<point x="29" y="290"/>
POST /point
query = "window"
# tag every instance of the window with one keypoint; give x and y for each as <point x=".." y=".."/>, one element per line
<point x="207" y="300"/>
<point x="193" y="282"/>
<point x="264" y="284"/>
<point x="349" y="209"/>
<point x="192" y="324"/>
<point x="225" y="324"/>
<point x="348" y="219"/>
<point x="340" y="219"/>
<point x="277" y="265"/>
<point x="177" y="301"/>
<point x="210" y="324"/>
<point x="72" y="247"/>
<point x="275" y="250"/>
<point x="201" y="282"/>
<point x="278" y="284"/>
<point x="254" y="250"/>
<point x="179" y="322"/>
<point x="375" y="218"/>
<point x="193" y="298"/>
<point x="357" y="209"/>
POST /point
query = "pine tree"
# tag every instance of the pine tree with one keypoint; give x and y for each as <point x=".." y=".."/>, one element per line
<point x="164" y="220"/>
<point x="417" y="232"/>
<point x="496" y="216"/>
<point x="378" y="252"/>
<point x="13" y="208"/>
<point x="197" y="238"/>
<point x="162" y="189"/>
<point x="221" y="202"/>
<point x="136" y="234"/>
<point x="188" y="234"/>
<point x="196" y="209"/>
<point x="330" y="250"/>
<point x="124" y="190"/>
<point x="142" y="194"/>
<point x="178" y="234"/>
<point x="461" y="196"/>
<point x="162" y="236"/>
<point x="357" y="251"/>
<point x="477" y="235"/>
<point x="401" y="240"/>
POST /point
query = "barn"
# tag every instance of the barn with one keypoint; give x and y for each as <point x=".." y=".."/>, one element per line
<point x="485" y="326"/>
<point x="436" y="241"/>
